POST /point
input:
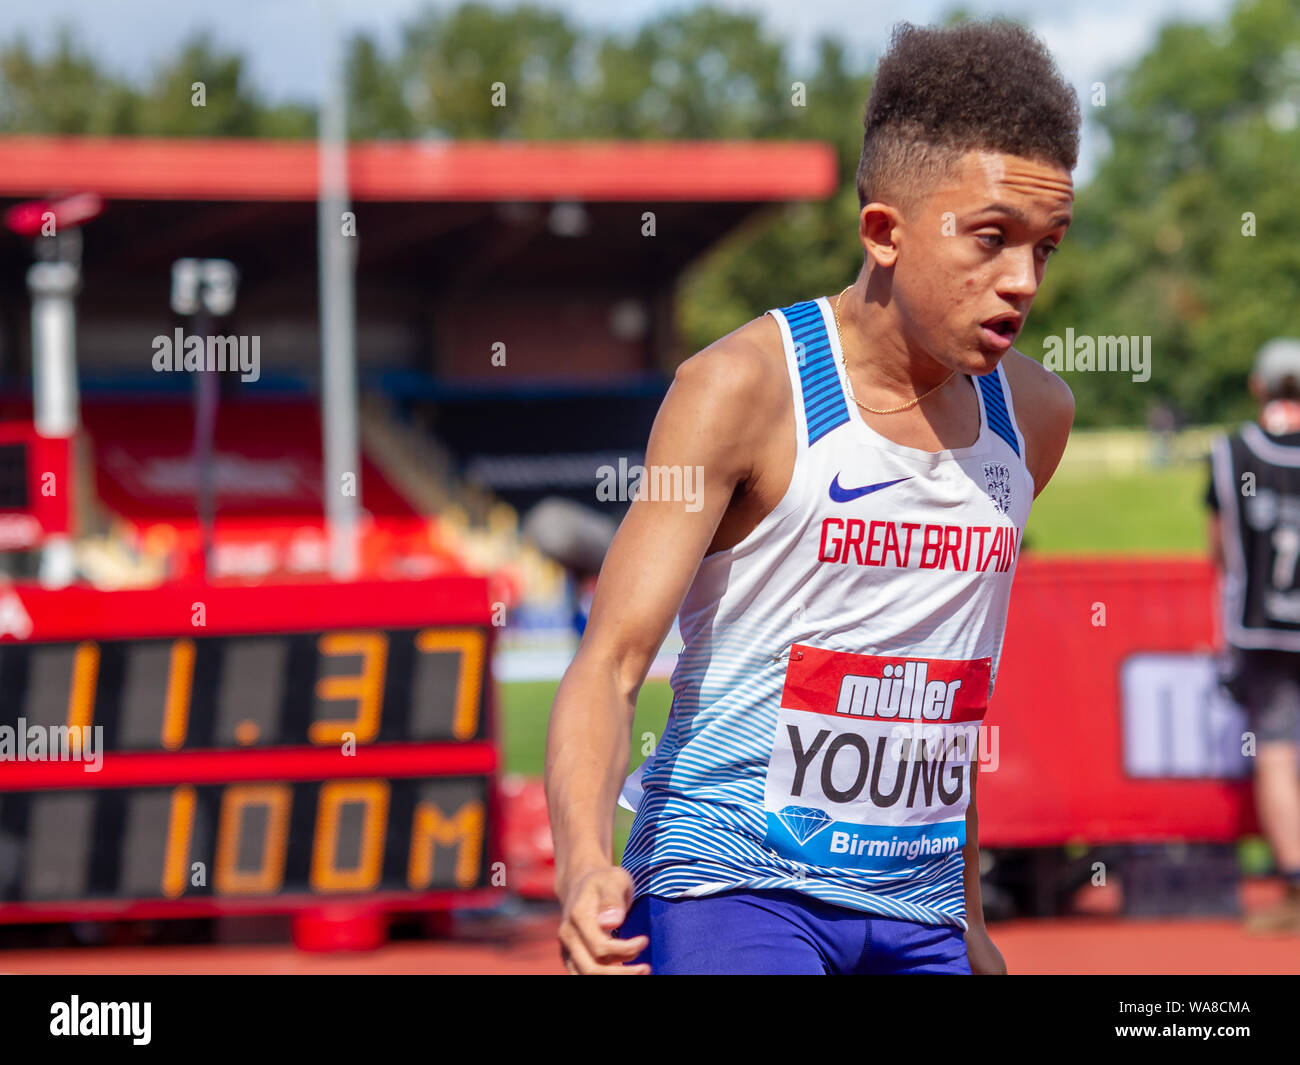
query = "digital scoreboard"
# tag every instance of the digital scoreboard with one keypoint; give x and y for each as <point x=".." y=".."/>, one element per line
<point x="202" y="749"/>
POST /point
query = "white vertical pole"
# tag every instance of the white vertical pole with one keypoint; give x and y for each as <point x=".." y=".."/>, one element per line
<point x="339" y="430"/>
<point x="53" y="287"/>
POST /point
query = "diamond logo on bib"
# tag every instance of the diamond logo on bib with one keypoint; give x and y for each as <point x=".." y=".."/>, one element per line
<point x="804" y="822"/>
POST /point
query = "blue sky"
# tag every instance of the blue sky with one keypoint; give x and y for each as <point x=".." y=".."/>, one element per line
<point x="284" y="39"/>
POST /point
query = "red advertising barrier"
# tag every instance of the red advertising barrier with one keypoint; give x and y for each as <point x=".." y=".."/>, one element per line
<point x="1107" y="724"/>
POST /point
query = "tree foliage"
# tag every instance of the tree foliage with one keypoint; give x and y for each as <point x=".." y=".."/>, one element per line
<point x="66" y="91"/>
<point x="1202" y="132"/>
<point x="1204" y="143"/>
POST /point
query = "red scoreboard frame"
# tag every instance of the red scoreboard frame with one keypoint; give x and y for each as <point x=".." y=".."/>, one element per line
<point x="355" y="702"/>
<point x="47" y="487"/>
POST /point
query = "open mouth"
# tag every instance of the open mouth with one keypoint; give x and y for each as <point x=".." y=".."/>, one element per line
<point x="1001" y="331"/>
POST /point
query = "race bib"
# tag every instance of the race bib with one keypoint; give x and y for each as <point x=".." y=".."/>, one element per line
<point x="871" y="760"/>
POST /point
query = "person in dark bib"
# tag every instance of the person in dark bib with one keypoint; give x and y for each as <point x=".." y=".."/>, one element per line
<point x="1254" y="497"/>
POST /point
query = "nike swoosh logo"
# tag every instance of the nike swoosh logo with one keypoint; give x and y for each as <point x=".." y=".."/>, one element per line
<point x="844" y="495"/>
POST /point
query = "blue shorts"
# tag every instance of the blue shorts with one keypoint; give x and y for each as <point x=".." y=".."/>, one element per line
<point x="786" y="932"/>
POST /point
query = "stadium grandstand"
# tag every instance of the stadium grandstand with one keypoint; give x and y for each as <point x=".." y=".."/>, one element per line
<point x="469" y="257"/>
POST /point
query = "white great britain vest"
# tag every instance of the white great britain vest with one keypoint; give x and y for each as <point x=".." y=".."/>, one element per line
<point x="837" y="664"/>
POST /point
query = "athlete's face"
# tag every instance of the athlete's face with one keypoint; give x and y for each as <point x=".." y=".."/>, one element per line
<point x="971" y="255"/>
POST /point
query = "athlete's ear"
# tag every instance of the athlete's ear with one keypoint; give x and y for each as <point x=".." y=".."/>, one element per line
<point x="877" y="228"/>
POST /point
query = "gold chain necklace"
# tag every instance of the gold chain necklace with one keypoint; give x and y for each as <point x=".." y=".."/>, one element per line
<point x="844" y="361"/>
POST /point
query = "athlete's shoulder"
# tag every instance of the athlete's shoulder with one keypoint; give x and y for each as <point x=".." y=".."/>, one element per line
<point x="745" y="367"/>
<point x="1044" y="408"/>
<point x="1036" y="391"/>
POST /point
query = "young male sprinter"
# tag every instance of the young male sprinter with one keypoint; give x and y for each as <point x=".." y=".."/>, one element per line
<point x="868" y="463"/>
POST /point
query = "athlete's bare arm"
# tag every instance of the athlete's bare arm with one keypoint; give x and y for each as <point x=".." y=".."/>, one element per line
<point x="1044" y="408"/>
<point x="1216" y="540"/>
<point x="985" y="958"/>
<point x="728" y="415"/>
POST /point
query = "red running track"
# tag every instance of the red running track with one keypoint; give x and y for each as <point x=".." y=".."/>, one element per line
<point x="1072" y="945"/>
<point x="1095" y="945"/>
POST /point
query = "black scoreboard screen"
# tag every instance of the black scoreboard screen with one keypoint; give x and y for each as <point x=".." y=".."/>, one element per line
<point x="227" y="692"/>
<point x="306" y="744"/>
<point x="322" y="837"/>
<point x="14" y="490"/>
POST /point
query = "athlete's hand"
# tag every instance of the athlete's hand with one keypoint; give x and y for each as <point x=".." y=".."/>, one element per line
<point x="985" y="958"/>
<point x="595" y="904"/>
